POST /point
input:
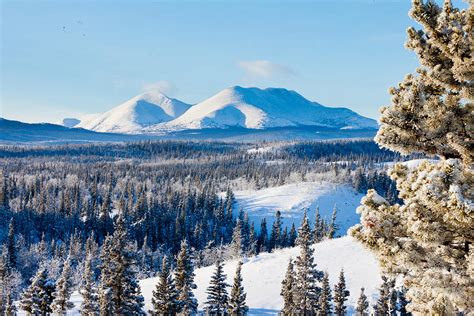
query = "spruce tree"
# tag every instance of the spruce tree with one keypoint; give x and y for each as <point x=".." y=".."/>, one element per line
<point x="362" y="308"/>
<point x="217" y="298"/>
<point x="236" y="244"/>
<point x="382" y="306"/>
<point x="38" y="297"/>
<point x="10" y="308"/>
<point x="237" y="305"/>
<point x="89" y="306"/>
<point x="184" y="278"/>
<point x="64" y="289"/>
<point x="332" y="229"/>
<point x="340" y="295"/>
<point x="12" y="256"/>
<point x="430" y="234"/>
<point x="325" y="307"/>
<point x="119" y="292"/>
<point x="287" y="290"/>
<point x="165" y="296"/>
<point x="307" y="288"/>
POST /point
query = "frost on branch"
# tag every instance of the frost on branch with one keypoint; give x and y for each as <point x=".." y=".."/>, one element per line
<point x="429" y="238"/>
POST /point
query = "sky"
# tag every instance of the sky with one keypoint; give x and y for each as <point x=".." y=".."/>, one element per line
<point x="69" y="58"/>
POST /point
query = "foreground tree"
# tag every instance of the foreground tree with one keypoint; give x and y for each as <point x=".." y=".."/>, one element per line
<point x="237" y="305"/>
<point x="340" y="295"/>
<point x="184" y="278"/>
<point x="217" y="298"/>
<point x="165" y="296"/>
<point x="429" y="238"/>
<point x="89" y="306"/>
<point x="64" y="289"/>
<point x="307" y="288"/>
<point x="287" y="290"/>
<point x="325" y="307"/>
<point x="362" y="308"/>
<point x="38" y="297"/>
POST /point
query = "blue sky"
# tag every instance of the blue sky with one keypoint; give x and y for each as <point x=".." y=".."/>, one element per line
<point x="66" y="58"/>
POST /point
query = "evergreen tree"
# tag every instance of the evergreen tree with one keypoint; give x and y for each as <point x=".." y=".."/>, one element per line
<point x="165" y="296"/>
<point x="38" y="297"/>
<point x="287" y="290"/>
<point x="325" y="308"/>
<point x="292" y="237"/>
<point x="362" y="308"/>
<point x="262" y="240"/>
<point x="318" y="232"/>
<point x="12" y="257"/>
<point x="307" y="288"/>
<point x="10" y="308"/>
<point x="89" y="306"/>
<point x="382" y="306"/>
<point x="332" y="229"/>
<point x="217" y="298"/>
<point x="118" y="280"/>
<point x="237" y="305"/>
<point x="236" y="245"/>
<point x="340" y="295"/>
<point x="64" y="289"/>
<point x="431" y="113"/>
<point x="275" y="234"/>
<point x="184" y="278"/>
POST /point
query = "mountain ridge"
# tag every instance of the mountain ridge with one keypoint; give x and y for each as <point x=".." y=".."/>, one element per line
<point x="250" y="108"/>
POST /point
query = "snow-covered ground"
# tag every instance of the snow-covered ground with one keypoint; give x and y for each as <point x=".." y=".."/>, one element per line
<point x="263" y="275"/>
<point x="292" y="199"/>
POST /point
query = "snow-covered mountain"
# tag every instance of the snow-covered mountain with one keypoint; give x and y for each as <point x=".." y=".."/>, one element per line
<point x="235" y="107"/>
<point x="137" y="113"/>
<point x="256" y="108"/>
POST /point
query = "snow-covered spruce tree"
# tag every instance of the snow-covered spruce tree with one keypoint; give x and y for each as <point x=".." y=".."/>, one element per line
<point x="90" y="305"/>
<point x="307" y="280"/>
<point x="119" y="292"/>
<point x="362" y="308"/>
<point x="236" y="244"/>
<point x="287" y="290"/>
<point x="325" y="307"/>
<point x="38" y="297"/>
<point x="184" y="278"/>
<point x="237" y="305"/>
<point x="63" y="291"/>
<point x="340" y="295"/>
<point x="165" y="296"/>
<point x="10" y="307"/>
<point x="382" y="307"/>
<point x="217" y="298"/>
<point x="429" y="239"/>
<point x="332" y="228"/>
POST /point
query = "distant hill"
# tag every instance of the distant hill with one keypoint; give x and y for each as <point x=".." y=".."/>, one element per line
<point x="19" y="132"/>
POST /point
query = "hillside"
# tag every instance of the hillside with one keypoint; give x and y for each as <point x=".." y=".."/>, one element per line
<point x="263" y="274"/>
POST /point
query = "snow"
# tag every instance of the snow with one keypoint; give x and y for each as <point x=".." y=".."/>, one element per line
<point x="292" y="199"/>
<point x="262" y="275"/>
<point x="132" y="116"/>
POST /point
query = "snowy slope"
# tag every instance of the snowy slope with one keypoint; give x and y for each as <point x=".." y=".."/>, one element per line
<point x="130" y="117"/>
<point x="263" y="108"/>
<point x="291" y="199"/>
<point x="263" y="274"/>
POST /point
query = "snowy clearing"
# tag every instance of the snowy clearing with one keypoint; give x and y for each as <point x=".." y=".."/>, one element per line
<point x="292" y="199"/>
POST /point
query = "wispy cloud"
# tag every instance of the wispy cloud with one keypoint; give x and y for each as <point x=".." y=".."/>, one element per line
<point x="265" y="69"/>
<point x="162" y="86"/>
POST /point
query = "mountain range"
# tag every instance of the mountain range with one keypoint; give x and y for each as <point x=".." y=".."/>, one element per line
<point x="234" y="107"/>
